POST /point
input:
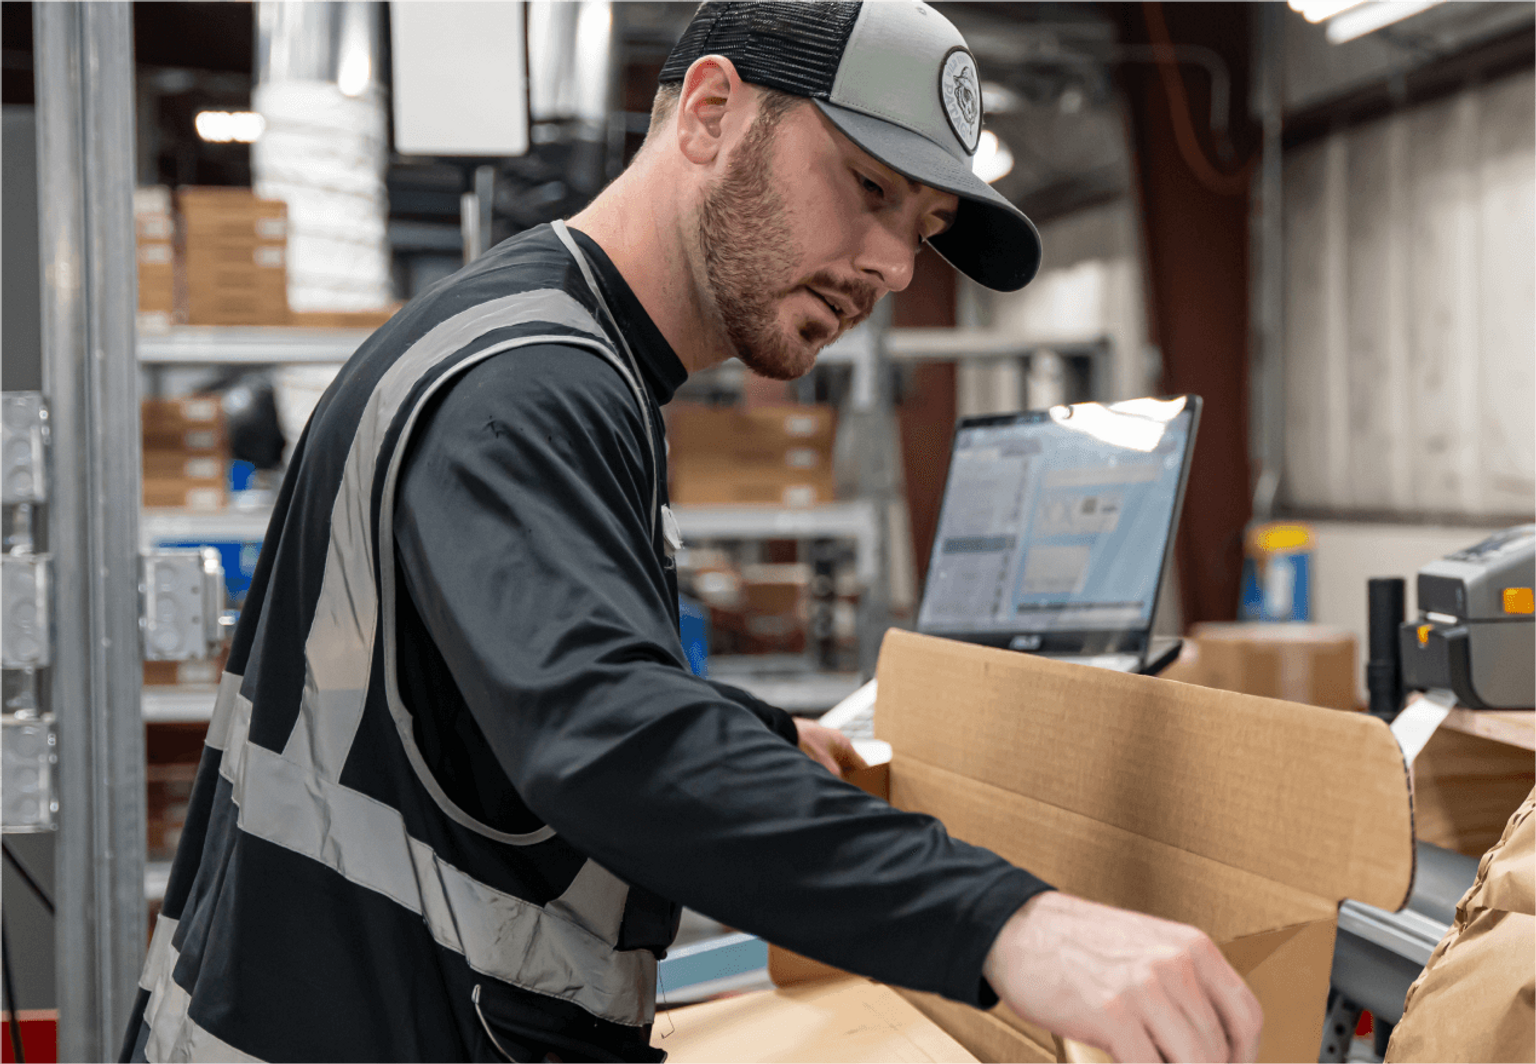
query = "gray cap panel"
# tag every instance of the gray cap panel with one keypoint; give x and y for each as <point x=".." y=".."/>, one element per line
<point x="892" y="66"/>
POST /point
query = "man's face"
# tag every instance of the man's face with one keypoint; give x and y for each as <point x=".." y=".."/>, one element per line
<point x="802" y="234"/>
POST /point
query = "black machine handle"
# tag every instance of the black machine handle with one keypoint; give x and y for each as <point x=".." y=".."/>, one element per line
<point x="1384" y="668"/>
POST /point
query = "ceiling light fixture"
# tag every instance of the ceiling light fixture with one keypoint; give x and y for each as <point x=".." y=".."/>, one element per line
<point x="992" y="161"/>
<point x="225" y="127"/>
<point x="1322" y="10"/>
<point x="1361" y="19"/>
<point x="1348" y="19"/>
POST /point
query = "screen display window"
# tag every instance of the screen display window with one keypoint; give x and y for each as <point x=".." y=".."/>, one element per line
<point x="1058" y="519"/>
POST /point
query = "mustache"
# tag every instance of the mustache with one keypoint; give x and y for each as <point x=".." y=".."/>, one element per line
<point x="861" y="295"/>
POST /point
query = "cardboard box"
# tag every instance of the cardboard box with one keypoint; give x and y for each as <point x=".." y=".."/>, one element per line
<point x="1250" y="818"/>
<point x="1310" y="663"/>
<point x="155" y="230"/>
<point x="1464" y="789"/>
<point x="840" y="1020"/>
<point x="341" y="319"/>
<point x="715" y="483"/>
<point x="172" y="418"/>
<point x="182" y="493"/>
<point x="234" y="251"/>
<point x="793" y="437"/>
<point x="772" y="456"/>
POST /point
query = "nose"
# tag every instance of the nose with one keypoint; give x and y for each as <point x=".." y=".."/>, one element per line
<point x="885" y="256"/>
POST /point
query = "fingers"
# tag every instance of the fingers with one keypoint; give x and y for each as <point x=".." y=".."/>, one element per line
<point x="1184" y="1025"/>
<point x="1133" y="1044"/>
<point x="1242" y="1017"/>
<point x="820" y="755"/>
<point x="847" y="755"/>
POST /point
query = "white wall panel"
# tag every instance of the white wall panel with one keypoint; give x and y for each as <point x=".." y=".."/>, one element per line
<point x="1410" y="347"/>
<point x="1507" y="311"/>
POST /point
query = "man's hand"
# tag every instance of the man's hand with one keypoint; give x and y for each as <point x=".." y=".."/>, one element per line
<point x="1135" y="986"/>
<point x="828" y="747"/>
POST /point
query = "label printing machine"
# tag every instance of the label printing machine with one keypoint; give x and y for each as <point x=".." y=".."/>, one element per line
<point x="1471" y="646"/>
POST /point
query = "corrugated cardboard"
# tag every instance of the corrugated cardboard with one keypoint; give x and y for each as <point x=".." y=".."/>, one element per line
<point x="175" y="414"/>
<point x="715" y="483"/>
<point x="760" y="434"/>
<point x="1310" y="663"/>
<point x="233" y="248"/>
<point x="780" y="456"/>
<point x="184" y="494"/>
<point x="341" y="319"/>
<point x="1474" y="1000"/>
<point x="1464" y="789"/>
<point x="841" y="1020"/>
<point x="1248" y="817"/>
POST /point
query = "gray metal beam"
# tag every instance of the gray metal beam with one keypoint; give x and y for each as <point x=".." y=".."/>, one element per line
<point x="85" y="93"/>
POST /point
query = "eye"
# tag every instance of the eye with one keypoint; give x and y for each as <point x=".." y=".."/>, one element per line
<point x="873" y="188"/>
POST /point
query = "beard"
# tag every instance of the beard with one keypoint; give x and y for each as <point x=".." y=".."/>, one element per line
<point x="749" y="257"/>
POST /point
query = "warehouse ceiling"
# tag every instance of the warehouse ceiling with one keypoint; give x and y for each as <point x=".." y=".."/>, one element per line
<point x="1056" y="112"/>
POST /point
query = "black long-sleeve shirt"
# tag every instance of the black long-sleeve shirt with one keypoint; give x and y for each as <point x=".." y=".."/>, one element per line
<point x="526" y="539"/>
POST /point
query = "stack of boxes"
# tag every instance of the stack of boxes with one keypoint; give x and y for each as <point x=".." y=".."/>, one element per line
<point x="235" y="250"/>
<point x="779" y="456"/>
<point x="186" y="456"/>
<point x="155" y="233"/>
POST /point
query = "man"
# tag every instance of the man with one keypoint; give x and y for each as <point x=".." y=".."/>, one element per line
<point x="459" y="778"/>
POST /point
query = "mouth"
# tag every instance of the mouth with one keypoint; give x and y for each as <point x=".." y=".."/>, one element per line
<point x="839" y="310"/>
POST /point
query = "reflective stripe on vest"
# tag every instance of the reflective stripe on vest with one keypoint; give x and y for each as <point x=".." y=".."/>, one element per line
<point x="564" y="949"/>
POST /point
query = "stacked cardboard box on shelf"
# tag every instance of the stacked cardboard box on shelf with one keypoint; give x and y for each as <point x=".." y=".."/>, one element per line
<point x="341" y="319"/>
<point x="155" y="236"/>
<point x="780" y="456"/>
<point x="234" y="250"/>
<point x="186" y="458"/>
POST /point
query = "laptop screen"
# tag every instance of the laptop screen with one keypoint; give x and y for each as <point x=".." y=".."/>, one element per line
<point x="1058" y="521"/>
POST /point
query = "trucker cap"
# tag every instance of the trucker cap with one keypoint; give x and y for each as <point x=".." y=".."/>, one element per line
<point x="896" y="78"/>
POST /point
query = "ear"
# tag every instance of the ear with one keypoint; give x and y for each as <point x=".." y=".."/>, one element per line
<point x="712" y="103"/>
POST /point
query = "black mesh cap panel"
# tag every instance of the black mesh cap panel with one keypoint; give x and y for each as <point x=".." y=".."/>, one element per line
<point x="794" y="47"/>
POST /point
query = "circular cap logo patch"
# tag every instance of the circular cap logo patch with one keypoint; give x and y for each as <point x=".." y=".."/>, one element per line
<point x="960" y="89"/>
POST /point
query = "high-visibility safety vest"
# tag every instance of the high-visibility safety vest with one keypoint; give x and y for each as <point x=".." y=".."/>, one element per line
<point x="329" y="900"/>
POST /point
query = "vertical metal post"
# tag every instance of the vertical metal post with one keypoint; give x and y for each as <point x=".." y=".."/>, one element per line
<point x="869" y="452"/>
<point x="85" y="94"/>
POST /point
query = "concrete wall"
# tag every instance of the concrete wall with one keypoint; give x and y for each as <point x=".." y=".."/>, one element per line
<point x="1410" y="318"/>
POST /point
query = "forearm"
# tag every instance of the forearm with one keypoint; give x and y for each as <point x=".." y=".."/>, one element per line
<point x="702" y="805"/>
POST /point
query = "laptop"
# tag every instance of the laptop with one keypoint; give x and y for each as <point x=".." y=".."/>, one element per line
<point x="1054" y="536"/>
<point x="1055" y="531"/>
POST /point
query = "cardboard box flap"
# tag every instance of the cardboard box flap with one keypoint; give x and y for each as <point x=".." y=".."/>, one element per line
<point x="1103" y="862"/>
<point x="1313" y="798"/>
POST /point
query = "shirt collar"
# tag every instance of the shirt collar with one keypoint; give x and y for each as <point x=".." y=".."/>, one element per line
<point x="663" y="371"/>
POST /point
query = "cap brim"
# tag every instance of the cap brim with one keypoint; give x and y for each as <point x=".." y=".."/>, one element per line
<point x="991" y="242"/>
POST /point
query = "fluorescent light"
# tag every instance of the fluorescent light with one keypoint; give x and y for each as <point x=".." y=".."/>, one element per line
<point x="224" y="127"/>
<point x="1368" y="18"/>
<point x="992" y="160"/>
<point x="1322" y="10"/>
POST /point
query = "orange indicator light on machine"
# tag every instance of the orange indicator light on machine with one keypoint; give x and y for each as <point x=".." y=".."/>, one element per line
<point x="1519" y="600"/>
<point x="1424" y="630"/>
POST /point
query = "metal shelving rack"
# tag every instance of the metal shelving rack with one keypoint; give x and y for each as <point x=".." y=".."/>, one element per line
<point x="263" y="345"/>
<point x="855" y="521"/>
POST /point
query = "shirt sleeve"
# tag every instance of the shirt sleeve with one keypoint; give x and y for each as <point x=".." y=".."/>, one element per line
<point x="777" y="720"/>
<point x="525" y="534"/>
